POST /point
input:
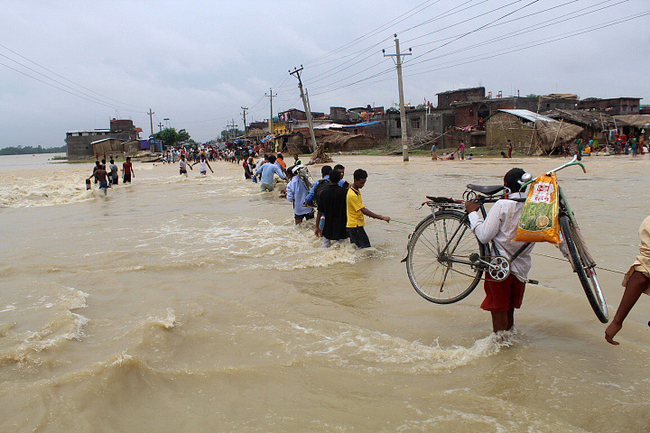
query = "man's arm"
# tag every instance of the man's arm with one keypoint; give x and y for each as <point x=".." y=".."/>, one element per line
<point x="636" y="284"/>
<point x="367" y="212"/>
<point x="290" y="190"/>
<point x="485" y="230"/>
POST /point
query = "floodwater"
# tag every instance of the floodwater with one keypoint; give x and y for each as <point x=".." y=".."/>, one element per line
<point x="189" y="304"/>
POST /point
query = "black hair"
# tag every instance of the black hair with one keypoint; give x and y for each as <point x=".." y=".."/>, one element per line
<point x="271" y="158"/>
<point x="339" y="167"/>
<point x="112" y="161"/>
<point x="335" y="176"/>
<point x="325" y="170"/>
<point x="512" y="179"/>
<point x="360" y="173"/>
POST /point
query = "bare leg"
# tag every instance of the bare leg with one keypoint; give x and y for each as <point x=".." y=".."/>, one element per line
<point x="500" y="321"/>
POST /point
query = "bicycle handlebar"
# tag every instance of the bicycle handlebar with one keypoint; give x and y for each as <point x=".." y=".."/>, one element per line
<point x="574" y="161"/>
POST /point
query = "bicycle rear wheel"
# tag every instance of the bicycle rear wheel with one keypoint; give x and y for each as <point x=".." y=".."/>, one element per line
<point x="441" y="257"/>
<point x="584" y="266"/>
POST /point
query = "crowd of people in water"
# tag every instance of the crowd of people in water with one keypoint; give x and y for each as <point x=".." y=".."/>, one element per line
<point x="333" y="202"/>
<point x="106" y="177"/>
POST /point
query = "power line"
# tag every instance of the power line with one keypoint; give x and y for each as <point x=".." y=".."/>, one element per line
<point x="64" y="78"/>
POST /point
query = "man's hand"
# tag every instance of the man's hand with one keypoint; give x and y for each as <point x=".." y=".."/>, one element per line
<point x="611" y="332"/>
<point x="472" y="206"/>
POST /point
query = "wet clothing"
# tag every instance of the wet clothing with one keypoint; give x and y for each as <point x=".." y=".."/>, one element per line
<point x="268" y="170"/>
<point x="354" y="206"/>
<point x="503" y="295"/>
<point x="296" y="193"/>
<point x="113" y="175"/>
<point x="501" y="225"/>
<point x="333" y="204"/>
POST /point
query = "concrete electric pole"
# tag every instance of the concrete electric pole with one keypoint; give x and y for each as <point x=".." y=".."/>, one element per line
<point x="402" y="112"/>
<point x="151" y="113"/>
<point x="270" y="95"/>
<point x="305" y="103"/>
<point x="244" y="114"/>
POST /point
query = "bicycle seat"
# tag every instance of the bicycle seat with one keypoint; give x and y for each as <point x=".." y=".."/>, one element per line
<point x="487" y="190"/>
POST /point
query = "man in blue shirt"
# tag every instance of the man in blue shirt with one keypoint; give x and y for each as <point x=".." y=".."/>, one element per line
<point x="296" y="193"/>
<point x="268" y="170"/>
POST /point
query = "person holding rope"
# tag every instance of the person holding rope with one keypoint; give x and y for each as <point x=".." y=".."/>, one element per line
<point x="636" y="281"/>
<point x="500" y="225"/>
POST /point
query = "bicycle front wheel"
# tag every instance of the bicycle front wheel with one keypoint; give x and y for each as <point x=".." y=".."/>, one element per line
<point x="442" y="258"/>
<point x="584" y="266"/>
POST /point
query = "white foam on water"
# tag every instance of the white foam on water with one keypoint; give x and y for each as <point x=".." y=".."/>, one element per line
<point x="248" y="243"/>
<point x="351" y="347"/>
<point x="61" y="324"/>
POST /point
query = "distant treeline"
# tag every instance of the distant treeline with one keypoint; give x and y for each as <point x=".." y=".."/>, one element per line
<point x="20" y="150"/>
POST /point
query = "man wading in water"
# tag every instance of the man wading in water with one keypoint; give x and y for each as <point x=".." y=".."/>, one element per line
<point x="500" y="225"/>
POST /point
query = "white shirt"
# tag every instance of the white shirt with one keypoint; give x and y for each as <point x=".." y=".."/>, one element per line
<point x="501" y="225"/>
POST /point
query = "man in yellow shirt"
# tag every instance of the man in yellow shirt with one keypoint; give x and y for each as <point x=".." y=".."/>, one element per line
<point x="356" y="211"/>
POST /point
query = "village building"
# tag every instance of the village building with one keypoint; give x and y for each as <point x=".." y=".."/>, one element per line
<point x="612" y="106"/>
<point x="79" y="143"/>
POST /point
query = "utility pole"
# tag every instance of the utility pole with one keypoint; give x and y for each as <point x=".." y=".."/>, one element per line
<point x="305" y="103"/>
<point x="151" y="113"/>
<point x="244" y="113"/>
<point x="160" y="125"/>
<point x="270" y="95"/>
<point x="402" y="112"/>
<point x="231" y="127"/>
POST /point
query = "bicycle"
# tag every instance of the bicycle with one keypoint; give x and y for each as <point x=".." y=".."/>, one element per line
<point x="445" y="261"/>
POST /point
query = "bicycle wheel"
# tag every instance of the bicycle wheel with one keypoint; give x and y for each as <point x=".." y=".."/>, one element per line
<point x="584" y="266"/>
<point x="440" y="258"/>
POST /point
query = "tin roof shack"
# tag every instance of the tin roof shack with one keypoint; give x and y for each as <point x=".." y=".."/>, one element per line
<point x="593" y="123"/>
<point x="530" y="133"/>
<point x="375" y="129"/>
<point x="109" y="146"/>
<point x="613" y="106"/>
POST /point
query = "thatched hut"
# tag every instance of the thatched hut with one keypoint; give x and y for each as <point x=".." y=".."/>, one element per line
<point x="530" y="133"/>
<point x="595" y="124"/>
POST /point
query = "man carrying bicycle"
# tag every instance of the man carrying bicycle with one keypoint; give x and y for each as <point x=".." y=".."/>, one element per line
<point x="500" y="225"/>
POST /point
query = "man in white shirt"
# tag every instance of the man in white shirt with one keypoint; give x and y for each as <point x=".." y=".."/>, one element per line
<point x="500" y="225"/>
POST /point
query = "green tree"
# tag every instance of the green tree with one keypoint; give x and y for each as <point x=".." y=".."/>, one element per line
<point x="171" y="137"/>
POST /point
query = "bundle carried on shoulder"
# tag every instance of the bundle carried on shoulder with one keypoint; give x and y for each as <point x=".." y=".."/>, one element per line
<point x="539" y="220"/>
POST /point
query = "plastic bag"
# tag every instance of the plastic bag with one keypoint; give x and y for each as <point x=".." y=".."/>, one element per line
<point x="539" y="220"/>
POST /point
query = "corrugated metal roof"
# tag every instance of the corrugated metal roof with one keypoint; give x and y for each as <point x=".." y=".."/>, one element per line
<point x="529" y="115"/>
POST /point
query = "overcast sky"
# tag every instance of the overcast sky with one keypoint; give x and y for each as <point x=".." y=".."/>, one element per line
<point x="72" y="65"/>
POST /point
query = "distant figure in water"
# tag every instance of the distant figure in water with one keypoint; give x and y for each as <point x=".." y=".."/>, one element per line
<point x="127" y="168"/>
<point x="204" y="165"/>
<point x="113" y="174"/>
<point x="636" y="281"/>
<point x="101" y="176"/>
<point x="183" y="165"/>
